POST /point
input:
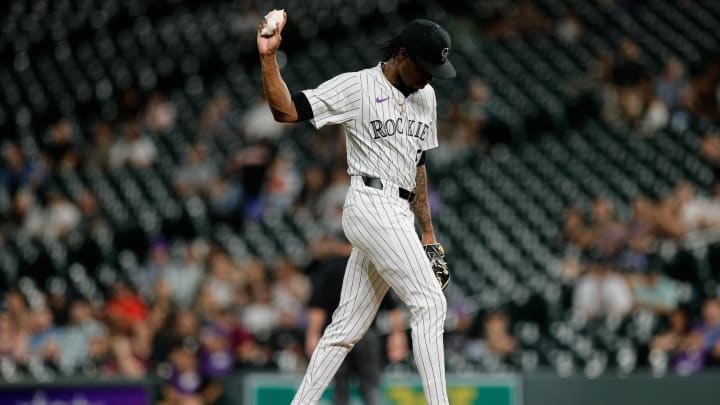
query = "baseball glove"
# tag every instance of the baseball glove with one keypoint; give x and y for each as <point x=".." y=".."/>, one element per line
<point x="436" y="255"/>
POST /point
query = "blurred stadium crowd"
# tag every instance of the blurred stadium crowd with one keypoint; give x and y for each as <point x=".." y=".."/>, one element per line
<point x="155" y="219"/>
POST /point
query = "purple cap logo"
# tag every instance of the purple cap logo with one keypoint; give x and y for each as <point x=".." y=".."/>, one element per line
<point x="444" y="54"/>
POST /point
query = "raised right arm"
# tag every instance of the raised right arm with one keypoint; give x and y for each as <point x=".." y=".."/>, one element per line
<point x="276" y="91"/>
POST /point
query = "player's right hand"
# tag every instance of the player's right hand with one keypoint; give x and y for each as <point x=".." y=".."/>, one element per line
<point x="269" y="45"/>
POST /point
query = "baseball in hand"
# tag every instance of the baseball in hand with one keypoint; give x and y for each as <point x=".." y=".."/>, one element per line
<point x="273" y="21"/>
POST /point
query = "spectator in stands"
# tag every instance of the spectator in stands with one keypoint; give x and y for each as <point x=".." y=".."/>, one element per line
<point x="498" y="340"/>
<point x="670" y="88"/>
<point x="601" y="72"/>
<point x="126" y="356"/>
<point x="577" y="238"/>
<point x="225" y="200"/>
<point x="160" y="113"/>
<point x="197" y="173"/>
<point x="461" y="135"/>
<point x="669" y="340"/>
<point x="182" y="325"/>
<point x="283" y="183"/>
<point x="475" y="108"/>
<point x="290" y="292"/>
<point x="224" y="343"/>
<point x="332" y="200"/>
<point x="223" y="280"/>
<point x="17" y="307"/>
<point x="710" y="151"/>
<point x="62" y="216"/>
<point x="93" y="219"/>
<point x="669" y="225"/>
<point x="610" y="234"/>
<point x="134" y="148"/>
<point x="122" y="354"/>
<point x="244" y="344"/>
<point x="218" y="120"/>
<point x="601" y="292"/>
<point x="26" y="216"/>
<point x="489" y="342"/>
<point x="258" y="125"/>
<point x="250" y="165"/>
<point x="44" y="336"/>
<point x="58" y="300"/>
<point x="328" y="146"/>
<point x="98" y="154"/>
<point x="81" y="337"/>
<point x="576" y="232"/>
<point x="314" y="183"/>
<point x="655" y="117"/>
<point x="13" y="342"/>
<point x="187" y="385"/>
<point x="702" y="346"/>
<point x="713" y="211"/>
<point x="260" y="316"/>
<point x="629" y="77"/>
<point x="17" y="172"/>
<point x="702" y="97"/>
<point x="216" y="357"/>
<point x="693" y="209"/>
<point x="159" y="264"/>
<point x="184" y="279"/>
<point x="655" y="292"/>
<point x="253" y="271"/>
<point x="641" y="235"/>
<point x="125" y="309"/>
<point x="60" y="149"/>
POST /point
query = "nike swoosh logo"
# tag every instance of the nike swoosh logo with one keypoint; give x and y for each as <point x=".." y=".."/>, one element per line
<point x="380" y="100"/>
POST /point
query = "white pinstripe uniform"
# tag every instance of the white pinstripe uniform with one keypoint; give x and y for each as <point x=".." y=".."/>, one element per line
<point x="385" y="134"/>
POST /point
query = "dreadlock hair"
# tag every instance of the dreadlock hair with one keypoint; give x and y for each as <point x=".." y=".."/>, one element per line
<point x="391" y="47"/>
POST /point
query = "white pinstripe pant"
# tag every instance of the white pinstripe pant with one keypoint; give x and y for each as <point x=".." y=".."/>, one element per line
<point x="386" y="253"/>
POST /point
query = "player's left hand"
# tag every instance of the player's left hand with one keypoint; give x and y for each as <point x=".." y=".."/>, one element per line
<point x="436" y="254"/>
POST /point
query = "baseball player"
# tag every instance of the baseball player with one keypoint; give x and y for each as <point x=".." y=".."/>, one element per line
<point x="388" y="113"/>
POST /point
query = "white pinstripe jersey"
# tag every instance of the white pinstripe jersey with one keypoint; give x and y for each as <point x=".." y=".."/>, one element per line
<point x="385" y="131"/>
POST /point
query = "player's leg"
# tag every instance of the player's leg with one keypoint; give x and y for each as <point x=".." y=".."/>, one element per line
<point x="386" y="231"/>
<point x="362" y="291"/>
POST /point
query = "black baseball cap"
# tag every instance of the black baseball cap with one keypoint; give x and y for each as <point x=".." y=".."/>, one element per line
<point x="429" y="45"/>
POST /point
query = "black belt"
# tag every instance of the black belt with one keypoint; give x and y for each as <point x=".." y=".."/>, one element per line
<point x="377" y="183"/>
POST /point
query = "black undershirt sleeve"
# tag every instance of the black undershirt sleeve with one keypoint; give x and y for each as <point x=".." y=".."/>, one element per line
<point x="302" y="106"/>
<point x="421" y="162"/>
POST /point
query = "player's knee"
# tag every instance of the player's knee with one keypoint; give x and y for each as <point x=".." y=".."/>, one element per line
<point x="345" y="338"/>
<point x="434" y="307"/>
